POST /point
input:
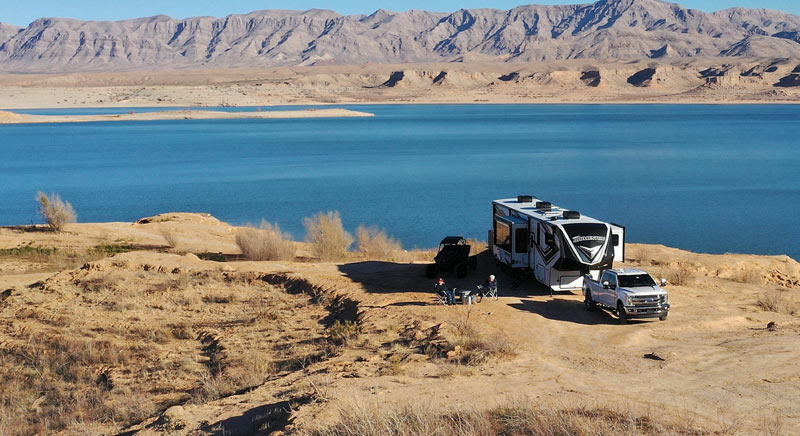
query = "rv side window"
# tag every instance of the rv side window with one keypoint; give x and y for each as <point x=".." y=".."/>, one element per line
<point x="521" y="241"/>
<point x="615" y="240"/>
<point x="502" y="237"/>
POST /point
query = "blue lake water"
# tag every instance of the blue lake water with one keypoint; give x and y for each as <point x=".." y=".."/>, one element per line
<point x="705" y="178"/>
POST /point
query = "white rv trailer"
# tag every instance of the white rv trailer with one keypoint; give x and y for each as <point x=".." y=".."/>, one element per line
<point x="558" y="246"/>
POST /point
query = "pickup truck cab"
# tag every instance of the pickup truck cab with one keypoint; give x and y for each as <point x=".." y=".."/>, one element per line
<point x="630" y="292"/>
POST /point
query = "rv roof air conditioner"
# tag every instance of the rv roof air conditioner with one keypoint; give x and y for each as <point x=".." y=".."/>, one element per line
<point x="571" y="215"/>
<point x="544" y="206"/>
<point x="525" y="199"/>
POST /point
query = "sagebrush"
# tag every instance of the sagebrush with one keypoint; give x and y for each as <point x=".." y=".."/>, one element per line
<point x="265" y="243"/>
<point x="779" y="302"/>
<point x="374" y="243"/>
<point x="56" y="212"/>
<point x="327" y="236"/>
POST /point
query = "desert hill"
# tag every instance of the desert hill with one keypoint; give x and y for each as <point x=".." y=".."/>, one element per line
<point x="607" y="29"/>
<point x="159" y="327"/>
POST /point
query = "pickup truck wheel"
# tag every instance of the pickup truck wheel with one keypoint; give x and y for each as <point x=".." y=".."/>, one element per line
<point x="431" y="270"/>
<point x="623" y="317"/>
<point x="589" y="302"/>
<point x="663" y="317"/>
<point x="461" y="270"/>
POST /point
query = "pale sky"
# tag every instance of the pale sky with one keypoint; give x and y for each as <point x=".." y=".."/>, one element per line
<point x="21" y="13"/>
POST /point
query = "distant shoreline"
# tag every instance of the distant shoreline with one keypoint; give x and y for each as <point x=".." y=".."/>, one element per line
<point x="579" y="82"/>
<point x="348" y="113"/>
<point x="16" y="118"/>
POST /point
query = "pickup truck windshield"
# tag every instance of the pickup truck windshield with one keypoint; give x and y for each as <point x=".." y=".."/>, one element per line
<point x="635" y="280"/>
<point x="588" y="239"/>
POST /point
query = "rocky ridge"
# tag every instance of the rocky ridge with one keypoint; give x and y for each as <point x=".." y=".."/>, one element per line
<point x="607" y="29"/>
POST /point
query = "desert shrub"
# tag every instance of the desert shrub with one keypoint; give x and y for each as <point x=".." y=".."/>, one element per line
<point x="56" y="212"/>
<point x="342" y="332"/>
<point x="748" y="274"/>
<point x="779" y="302"/>
<point x="374" y="243"/>
<point x="519" y="417"/>
<point x="679" y="275"/>
<point x="469" y="347"/>
<point x="265" y="243"/>
<point x="170" y="236"/>
<point x="326" y="234"/>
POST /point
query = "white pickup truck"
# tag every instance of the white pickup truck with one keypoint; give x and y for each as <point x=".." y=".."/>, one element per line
<point x="631" y="293"/>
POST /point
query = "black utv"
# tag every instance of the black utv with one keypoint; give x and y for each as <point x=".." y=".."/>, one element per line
<point x="454" y="256"/>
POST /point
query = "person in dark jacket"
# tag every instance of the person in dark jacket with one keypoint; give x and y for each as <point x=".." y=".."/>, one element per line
<point x="442" y="289"/>
<point x="489" y="287"/>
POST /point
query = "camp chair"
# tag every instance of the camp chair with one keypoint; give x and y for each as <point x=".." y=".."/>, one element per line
<point x="440" y="297"/>
<point x="491" y="293"/>
<point x="486" y="292"/>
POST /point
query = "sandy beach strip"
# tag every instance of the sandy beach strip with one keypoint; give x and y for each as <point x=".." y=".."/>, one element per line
<point x="15" y="118"/>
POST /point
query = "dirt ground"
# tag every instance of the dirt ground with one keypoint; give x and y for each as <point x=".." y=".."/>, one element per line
<point x="200" y="342"/>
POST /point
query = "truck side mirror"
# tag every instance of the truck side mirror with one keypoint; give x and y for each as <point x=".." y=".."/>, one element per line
<point x="663" y="283"/>
<point x="606" y="285"/>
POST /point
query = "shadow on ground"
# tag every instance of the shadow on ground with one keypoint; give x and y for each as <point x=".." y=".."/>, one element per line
<point x="391" y="277"/>
<point x="561" y="309"/>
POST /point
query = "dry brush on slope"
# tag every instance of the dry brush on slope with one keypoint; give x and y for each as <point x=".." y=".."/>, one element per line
<point x="265" y="243"/>
<point x="518" y="417"/>
<point x="114" y="342"/>
<point x="327" y="236"/>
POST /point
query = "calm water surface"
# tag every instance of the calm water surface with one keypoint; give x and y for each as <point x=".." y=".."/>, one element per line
<point x="705" y="178"/>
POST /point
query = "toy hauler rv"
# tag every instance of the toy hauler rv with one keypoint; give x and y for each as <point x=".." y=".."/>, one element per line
<point x="558" y="246"/>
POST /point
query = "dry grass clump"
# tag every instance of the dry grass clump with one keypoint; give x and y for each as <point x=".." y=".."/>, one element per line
<point x="518" y="418"/>
<point x="265" y="243"/>
<point x="170" y="236"/>
<point x="56" y="212"/>
<point x="680" y="274"/>
<point x="50" y="383"/>
<point x="779" y="302"/>
<point x="469" y="347"/>
<point x="342" y="332"/>
<point x="326" y="234"/>
<point x="749" y="274"/>
<point x="642" y="253"/>
<point x="374" y="243"/>
<point x="57" y="259"/>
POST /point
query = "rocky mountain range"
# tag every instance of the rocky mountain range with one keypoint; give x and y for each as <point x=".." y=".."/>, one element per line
<point x="607" y="29"/>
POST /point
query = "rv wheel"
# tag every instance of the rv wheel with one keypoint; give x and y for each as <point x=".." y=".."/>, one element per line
<point x="623" y="317"/>
<point x="431" y="271"/>
<point x="461" y="270"/>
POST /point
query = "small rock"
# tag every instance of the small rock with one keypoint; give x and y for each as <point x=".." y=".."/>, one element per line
<point x="653" y="356"/>
<point x="419" y="335"/>
<point x="172" y="419"/>
<point x="772" y="326"/>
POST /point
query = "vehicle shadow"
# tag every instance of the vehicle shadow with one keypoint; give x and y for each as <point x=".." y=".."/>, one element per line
<point x="384" y="277"/>
<point x="561" y="309"/>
